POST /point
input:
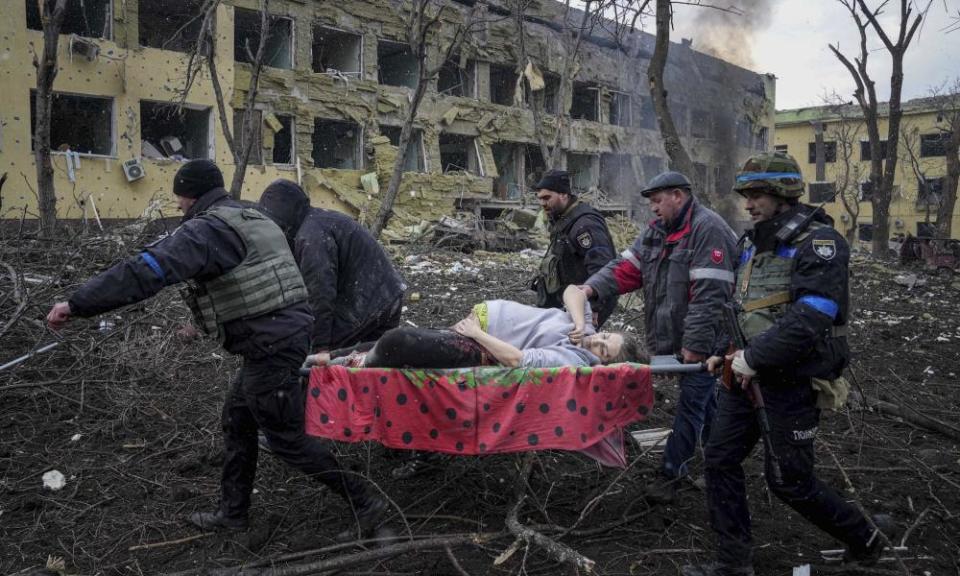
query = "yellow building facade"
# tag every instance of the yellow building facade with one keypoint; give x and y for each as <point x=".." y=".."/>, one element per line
<point x="921" y="165"/>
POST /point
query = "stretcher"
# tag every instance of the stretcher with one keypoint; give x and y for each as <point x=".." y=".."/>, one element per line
<point x="485" y="410"/>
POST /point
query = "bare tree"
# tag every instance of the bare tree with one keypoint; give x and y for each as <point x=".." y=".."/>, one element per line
<point x="51" y="18"/>
<point x="881" y="177"/>
<point x="422" y="21"/>
<point x="947" y="101"/>
<point x="205" y="53"/>
<point x="844" y="128"/>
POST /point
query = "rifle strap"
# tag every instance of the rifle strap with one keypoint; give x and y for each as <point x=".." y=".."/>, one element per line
<point x="768" y="301"/>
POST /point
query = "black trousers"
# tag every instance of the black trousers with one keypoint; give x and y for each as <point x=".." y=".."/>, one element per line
<point x="410" y="347"/>
<point x="794" y="418"/>
<point x="267" y="395"/>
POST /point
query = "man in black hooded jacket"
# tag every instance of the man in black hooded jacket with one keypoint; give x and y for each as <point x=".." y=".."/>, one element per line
<point x="243" y="286"/>
<point x="354" y="291"/>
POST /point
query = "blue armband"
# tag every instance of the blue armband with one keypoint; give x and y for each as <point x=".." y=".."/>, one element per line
<point x="154" y="265"/>
<point x="821" y="304"/>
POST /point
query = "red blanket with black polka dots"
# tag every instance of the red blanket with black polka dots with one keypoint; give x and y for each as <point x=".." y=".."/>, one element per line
<point x="484" y="410"/>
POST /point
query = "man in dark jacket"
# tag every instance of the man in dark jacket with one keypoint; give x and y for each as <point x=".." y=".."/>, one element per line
<point x="580" y="245"/>
<point x="354" y="291"/>
<point x="793" y="298"/>
<point x="684" y="263"/>
<point x="243" y="286"/>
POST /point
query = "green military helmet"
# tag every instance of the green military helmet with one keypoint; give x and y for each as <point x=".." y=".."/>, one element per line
<point x="776" y="173"/>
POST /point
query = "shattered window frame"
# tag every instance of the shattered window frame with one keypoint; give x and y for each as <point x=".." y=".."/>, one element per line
<point x="512" y="188"/>
<point x="933" y="145"/>
<point x="467" y="75"/>
<point x="357" y="42"/>
<point x="503" y="93"/>
<point x="474" y="161"/>
<point x="271" y="56"/>
<point x="333" y="127"/>
<point x="289" y="122"/>
<point x="621" y="109"/>
<point x="829" y="152"/>
<point x="585" y="102"/>
<point x="929" y="191"/>
<point x="256" y="152"/>
<point x="188" y="126"/>
<point x="75" y="13"/>
<point x="69" y="128"/>
<point x="180" y="35"/>
<point x="618" y="182"/>
<point x="584" y="170"/>
<point x="391" y="73"/>
<point x="419" y="150"/>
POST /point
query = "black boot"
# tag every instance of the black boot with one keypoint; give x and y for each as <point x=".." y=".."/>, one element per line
<point x="368" y="516"/>
<point x="213" y="521"/>
<point x="662" y="491"/>
<point x="716" y="569"/>
<point x="870" y="554"/>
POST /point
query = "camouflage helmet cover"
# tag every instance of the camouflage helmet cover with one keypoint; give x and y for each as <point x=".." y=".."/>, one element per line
<point x="776" y="173"/>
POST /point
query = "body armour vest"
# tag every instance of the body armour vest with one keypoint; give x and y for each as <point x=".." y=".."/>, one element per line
<point x="764" y="284"/>
<point x="561" y="266"/>
<point x="266" y="280"/>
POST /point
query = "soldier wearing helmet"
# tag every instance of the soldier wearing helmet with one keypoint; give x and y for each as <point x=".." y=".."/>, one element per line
<point x="793" y="301"/>
<point x="684" y="264"/>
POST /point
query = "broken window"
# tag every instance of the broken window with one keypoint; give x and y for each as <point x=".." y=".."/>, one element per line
<point x="459" y="153"/>
<point x="256" y="154"/>
<point x="652" y="165"/>
<point x="336" y="144"/>
<point x="933" y="145"/>
<point x="866" y="190"/>
<point x="414" y="161"/>
<point x="508" y="185"/>
<point x="620" y="109"/>
<point x="168" y="130"/>
<point x="170" y="24"/>
<point x="82" y="124"/>
<point x="503" y="83"/>
<point x="586" y="104"/>
<point x="87" y="18"/>
<point x="701" y="124"/>
<point x="397" y="65"/>
<point x="648" y="115"/>
<point x="781" y="148"/>
<point x="548" y="96"/>
<point x="582" y="169"/>
<point x="829" y="152"/>
<point x="616" y="175"/>
<point x="454" y="80"/>
<point x="865" y="155"/>
<point x="278" y="51"/>
<point x="336" y="50"/>
<point x="929" y="191"/>
<point x="822" y="191"/>
<point x="533" y="164"/>
<point x="865" y="232"/>
<point x="284" y="139"/>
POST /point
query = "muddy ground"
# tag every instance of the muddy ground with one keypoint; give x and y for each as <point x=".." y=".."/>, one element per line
<point x="129" y="414"/>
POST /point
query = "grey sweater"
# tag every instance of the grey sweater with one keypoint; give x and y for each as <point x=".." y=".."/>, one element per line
<point x="541" y="333"/>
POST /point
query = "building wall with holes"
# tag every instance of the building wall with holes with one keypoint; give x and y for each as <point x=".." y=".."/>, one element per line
<point x="921" y="166"/>
<point x="335" y="92"/>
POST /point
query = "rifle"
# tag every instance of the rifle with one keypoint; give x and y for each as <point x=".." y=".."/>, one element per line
<point x="740" y="343"/>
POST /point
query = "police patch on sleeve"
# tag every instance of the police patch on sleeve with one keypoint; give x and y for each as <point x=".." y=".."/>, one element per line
<point x="825" y="248"/>
<point x="585" y="239"/>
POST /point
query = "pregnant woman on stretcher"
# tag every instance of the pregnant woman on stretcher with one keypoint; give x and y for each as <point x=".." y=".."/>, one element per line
<point x="498" y="332"/>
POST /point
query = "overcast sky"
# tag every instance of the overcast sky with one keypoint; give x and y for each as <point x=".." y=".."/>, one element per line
<point x="792" y="40"/>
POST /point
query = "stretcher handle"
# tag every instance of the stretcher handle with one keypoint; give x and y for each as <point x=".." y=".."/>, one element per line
<point x="656" y="367"/>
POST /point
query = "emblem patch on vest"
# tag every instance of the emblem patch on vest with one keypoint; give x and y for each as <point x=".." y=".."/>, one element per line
<point x="717" y="256"/>
<point x="585" y="240"/>
<point x="825" y="249"/>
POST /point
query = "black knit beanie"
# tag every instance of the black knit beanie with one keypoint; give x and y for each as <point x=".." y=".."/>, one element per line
<point x="555" y="181"/>
<point x="196" y="178"/>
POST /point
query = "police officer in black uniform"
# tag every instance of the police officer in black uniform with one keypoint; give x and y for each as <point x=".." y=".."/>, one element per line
<point x="580" y="245"/>
<point x="793" y="296"/>
<point x="243" y="286"/>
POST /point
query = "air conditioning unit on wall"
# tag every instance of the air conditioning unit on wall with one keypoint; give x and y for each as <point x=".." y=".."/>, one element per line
<point x="133" y="170"/>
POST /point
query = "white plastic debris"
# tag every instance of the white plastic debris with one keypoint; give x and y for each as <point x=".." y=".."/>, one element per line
<point x="75" y="437"/>
<point x="54" y="480"/>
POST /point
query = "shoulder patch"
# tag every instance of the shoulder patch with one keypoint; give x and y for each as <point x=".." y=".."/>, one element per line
<point x="826" y="249"/>
<point x="585" y="239"/>
<point x="717" y="256"/>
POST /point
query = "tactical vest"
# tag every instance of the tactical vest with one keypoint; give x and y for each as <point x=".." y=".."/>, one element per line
<point x="764" y="283"/>
<point x="560" y="265"/>
<point x="266" y="280"/>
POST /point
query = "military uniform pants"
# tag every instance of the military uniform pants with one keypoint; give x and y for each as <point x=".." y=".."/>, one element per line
<point x="691" y="423"/>
<point x="794" y="418"/>
<point x="267" y="395"/>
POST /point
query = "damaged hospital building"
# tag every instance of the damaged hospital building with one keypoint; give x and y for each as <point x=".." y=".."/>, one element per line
<point x="333" y="96"/>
